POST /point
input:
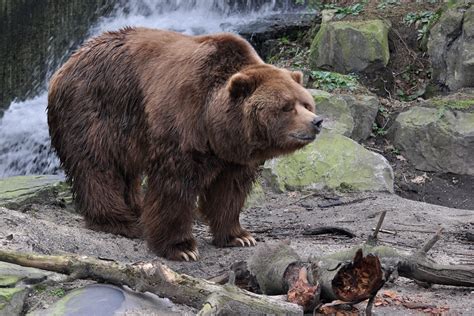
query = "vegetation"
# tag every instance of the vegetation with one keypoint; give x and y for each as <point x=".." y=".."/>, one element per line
<point x="57" y="292"/>
<point x="341" y="11"/>
<point x="422" y="21"/>
<point x="330" y="81"/>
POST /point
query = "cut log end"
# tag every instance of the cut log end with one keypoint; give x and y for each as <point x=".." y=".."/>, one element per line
<point x="360" y="279"/>
<point x="301" y="292"/>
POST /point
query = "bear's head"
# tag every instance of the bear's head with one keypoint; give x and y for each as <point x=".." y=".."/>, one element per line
<point x="267" y="113"/>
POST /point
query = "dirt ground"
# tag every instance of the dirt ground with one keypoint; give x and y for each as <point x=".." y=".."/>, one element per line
<point x="55" y="230"/>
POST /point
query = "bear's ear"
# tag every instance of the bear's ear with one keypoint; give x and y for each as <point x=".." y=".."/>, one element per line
<point x="297" y="76"/>
<point x="241" y="85"/>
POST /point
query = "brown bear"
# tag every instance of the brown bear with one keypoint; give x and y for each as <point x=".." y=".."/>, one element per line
<point x="197" y="115"/>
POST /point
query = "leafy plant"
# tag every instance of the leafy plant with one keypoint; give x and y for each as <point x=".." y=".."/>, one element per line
<point x="378" y="131"/>
<point x="395" y="151"/>
<point x="385" y="3"/>
<point x="341" y="11"/>
<point x="57" y="292"/>
<point x="329" y="81"/>
<point x="355" y="9"/>
<point x="422" y="21"/>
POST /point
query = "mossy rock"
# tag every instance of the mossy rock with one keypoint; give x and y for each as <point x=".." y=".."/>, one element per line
<point x="333" y="161"/>
<point x="17" y="192"/>
<point x="12" y="300"/>
<point x="256" y="196"/>
<point x="9" y="280"/>
<point x="351" y="46"/>
<point x="451" y="47"/>
<point x="437" y="137"/>
<point x="351" y="115"/>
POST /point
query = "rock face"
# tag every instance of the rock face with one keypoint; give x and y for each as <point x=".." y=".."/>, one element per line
<point x="350" y="115"/>
<point x="35" y="37"/>
<point x="14" y="285"/>
<point x="263" y="33"/>
<point x="16" y="192"/>
<point x="335" y="161"/>
<point x="331" y="162"/>
<point x="451" y="48"/>
<point x="351" y="46"/>
<point x="437" y="138"/>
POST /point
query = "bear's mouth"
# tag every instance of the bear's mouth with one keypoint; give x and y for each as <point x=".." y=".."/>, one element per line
<point x="303" y="137"/>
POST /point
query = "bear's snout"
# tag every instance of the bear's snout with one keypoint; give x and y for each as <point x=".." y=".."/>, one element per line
<point x="317" y="124"/>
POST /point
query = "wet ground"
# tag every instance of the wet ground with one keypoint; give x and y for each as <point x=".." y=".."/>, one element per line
<point x="55" y="230"/>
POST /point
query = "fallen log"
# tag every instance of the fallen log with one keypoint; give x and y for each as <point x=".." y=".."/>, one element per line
<point x="155" y="277"/>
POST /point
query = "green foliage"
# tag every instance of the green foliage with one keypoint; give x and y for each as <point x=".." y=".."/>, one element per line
<point x="39" y="288"/>
<point x="330" y="81"/>
<point x="378" y="131"/>
<point x="387" y="3"/>
<point x="444" y="105"/>
<point x="341" y="12"/>
<point x="422" y="21"/>
<point x="57" y="292"/>
<point x="395" y="151"/>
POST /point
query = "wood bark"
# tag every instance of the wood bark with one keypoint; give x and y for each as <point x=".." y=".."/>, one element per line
<point x="157" y="278"/>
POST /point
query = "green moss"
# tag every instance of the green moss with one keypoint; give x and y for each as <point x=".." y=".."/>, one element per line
<point x="256" y="197"/>
<point x="332" y="161"/>
<point x="346" y="187"/>
<point x="18" y="191"/>
<point x="6" y="294"/>
<point x="57" y="292"/>
<point x="375" y="33"/>
<point x="9" y="280"/>
<point x="39" y="288"/>
<point x="460" y="104"/>
<point x="60" y="307"/>
<point x="315" y="45"/>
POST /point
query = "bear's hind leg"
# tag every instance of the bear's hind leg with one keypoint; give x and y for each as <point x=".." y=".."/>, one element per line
<point x="222" y="203"/>
<point x="101" y="196"/>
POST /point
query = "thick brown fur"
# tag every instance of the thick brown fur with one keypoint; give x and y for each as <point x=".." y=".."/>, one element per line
<point x="196" y="115"/>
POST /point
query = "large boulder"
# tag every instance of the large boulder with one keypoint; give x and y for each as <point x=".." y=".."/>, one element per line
<point x="451" y="48"/>
<point x="347" y="114"/>
<point x="15" y="282"/>
<point x="333" y="161"/>
<point x="438" y="136"/>
<point x="351" y="46"/>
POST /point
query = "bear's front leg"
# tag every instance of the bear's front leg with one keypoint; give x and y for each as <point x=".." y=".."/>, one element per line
<point x="222" y="202"/>
<point x="168" y="216"/>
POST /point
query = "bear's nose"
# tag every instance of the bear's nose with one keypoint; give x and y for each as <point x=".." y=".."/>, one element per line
<point x="317" y="123"/>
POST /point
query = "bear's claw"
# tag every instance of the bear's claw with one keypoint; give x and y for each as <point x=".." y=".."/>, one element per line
<point x="244" y="241"/>
<point x="188" y="255"/>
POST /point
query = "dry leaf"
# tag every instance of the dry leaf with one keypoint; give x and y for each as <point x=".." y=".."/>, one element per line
<point x="391" y="294"/>
<point x="420" y="179"/>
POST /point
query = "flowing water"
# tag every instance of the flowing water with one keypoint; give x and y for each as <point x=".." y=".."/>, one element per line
<point x="24" y="139"/>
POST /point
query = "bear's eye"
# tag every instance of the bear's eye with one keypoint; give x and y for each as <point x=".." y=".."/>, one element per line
<point x="307" y="106"/>
<point x="288" y="107"/>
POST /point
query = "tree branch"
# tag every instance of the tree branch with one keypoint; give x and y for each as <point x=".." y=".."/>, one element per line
<point x="153" y="277"/>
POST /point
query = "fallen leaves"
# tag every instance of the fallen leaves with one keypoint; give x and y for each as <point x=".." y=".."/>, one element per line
<point x="420" y="179"/>
<point x="391" y="298"/>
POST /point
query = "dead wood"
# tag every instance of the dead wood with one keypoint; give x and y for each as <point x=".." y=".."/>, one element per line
<point x="329" y="230"/>
<point x="338" y="203"/>
<point x="352" y="280"/>
<point x="155" y="277"/>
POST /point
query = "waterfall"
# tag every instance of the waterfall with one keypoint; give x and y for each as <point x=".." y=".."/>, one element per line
<point x="24" y="139"/>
